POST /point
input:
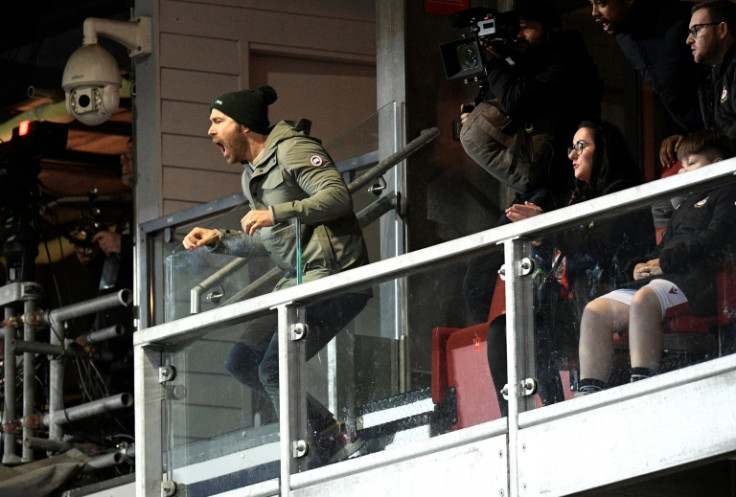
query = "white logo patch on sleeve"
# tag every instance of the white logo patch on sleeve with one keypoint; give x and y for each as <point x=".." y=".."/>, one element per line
<point x="316" y="160"/>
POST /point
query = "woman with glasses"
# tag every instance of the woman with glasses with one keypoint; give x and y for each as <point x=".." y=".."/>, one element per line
<point x="580" y="263"/>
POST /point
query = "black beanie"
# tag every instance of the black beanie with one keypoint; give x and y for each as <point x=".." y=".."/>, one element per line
<point x="539" y="11"/>
<point x="248" y="107"/>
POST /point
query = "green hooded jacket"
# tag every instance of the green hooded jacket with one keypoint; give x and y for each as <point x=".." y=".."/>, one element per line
<point x="295" y="178"/>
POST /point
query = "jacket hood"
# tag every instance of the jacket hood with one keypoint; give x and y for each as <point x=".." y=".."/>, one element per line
<point x="281" y="131"/>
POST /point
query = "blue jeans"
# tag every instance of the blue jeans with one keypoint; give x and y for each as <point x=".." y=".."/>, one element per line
<point x="254" y="360"/>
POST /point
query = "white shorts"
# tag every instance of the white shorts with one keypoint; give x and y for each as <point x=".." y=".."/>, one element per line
<point x="670" y="296"/>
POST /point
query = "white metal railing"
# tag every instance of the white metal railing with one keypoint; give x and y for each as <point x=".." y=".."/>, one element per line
<point x="403" y="265"/>
<point x="149" y="342"/>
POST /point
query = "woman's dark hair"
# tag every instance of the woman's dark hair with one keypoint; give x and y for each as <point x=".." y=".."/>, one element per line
<point x="612" y="161"/>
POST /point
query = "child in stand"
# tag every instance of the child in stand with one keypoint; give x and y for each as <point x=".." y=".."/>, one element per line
<point x="678" y="276"/>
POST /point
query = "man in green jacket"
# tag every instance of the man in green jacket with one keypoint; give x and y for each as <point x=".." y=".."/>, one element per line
<point x="287" y="177"/>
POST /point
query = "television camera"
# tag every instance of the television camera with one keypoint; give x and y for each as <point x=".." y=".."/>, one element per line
<point x="463" y="58"/>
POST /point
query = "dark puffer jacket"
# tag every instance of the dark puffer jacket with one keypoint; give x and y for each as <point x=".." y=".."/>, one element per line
<point x="699" y="235"/>
<point x="717" y="96"/>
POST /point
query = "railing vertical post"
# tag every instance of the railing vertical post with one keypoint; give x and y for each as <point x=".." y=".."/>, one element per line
<point x="292" y="392"/>
<point x="519" y="344"/>
<point x="151" y="427"/>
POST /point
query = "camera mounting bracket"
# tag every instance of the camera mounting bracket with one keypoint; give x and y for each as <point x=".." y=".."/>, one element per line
<point x="134" y="34"/>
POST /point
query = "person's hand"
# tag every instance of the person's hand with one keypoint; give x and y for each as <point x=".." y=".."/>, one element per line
<point x="254" y="220"/>
<point x="109" y="242"/>
<point x="517" y="212"/>
<point x="668" y="150"/>
<point x="200" y="236"/>
<point x="465" y="110"/>
<point x="85" y="255"/>
<point x="492" y="51"/>
<point x="647" y="269"/>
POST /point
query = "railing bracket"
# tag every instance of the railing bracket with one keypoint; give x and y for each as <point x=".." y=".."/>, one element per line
<point x="166" y="373"/>
<point x="299" y="331"/>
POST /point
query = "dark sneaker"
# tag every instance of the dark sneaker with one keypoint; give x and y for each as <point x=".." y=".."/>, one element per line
<point x="582" y="391"/>
<point x="337" y="443"/>
<point x="587" y="386"/>
<point x="638" y="374"/>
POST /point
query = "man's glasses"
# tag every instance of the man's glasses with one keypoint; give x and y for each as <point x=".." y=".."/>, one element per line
<point x="578" y="148"/>
<point x="697" y="28"/>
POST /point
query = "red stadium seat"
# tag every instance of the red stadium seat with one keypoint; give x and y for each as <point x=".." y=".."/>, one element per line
<point x="460" y="361"/>
<point x="459" y="355"/>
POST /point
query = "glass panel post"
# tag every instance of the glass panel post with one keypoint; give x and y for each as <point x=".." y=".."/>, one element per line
<point x="299" y="271"/>
<point x="519" y="342"/>
<point x="151" y="433"/>
<point x="292" y="392"/>
<point x="519" y="323"/>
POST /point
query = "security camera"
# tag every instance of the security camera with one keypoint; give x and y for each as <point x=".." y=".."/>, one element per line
<point x="91" y="79"/>
<point x="91" y="84"/>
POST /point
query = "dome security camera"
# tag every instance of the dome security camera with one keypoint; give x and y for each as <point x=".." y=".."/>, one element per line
<point x="91" y="83"/>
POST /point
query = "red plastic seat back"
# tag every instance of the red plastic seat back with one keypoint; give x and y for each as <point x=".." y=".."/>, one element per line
<point x="468" y="372"/>
<point x="460" y="360"/>
<point x="726" y="306"/>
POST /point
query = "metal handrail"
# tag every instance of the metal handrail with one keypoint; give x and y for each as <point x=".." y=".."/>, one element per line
<point x="149" y="342"/>
<point x="403" y="265"/>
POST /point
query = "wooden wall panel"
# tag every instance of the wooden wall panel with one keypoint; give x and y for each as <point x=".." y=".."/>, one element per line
<point x="171" y="206"/>
<point x="323" y="31"/>
<point x="330" y="94"/>
<point x="198" y="186"/>
<point x="199" y="53"/>
<point x="194" y="152"/>
<point x="320" y="58"/>
<point x="192" y="86"/>
<point x="359" y="9"/>
<point x="185" y="118"/>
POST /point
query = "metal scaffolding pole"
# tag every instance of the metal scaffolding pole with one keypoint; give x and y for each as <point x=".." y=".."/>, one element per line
<point x="11" y="295"/>
<point x="29" y="378"/>
<point x="116" y="458"/>
<point x="55" y="319"/>
<point x="83" y="411"/>
<point x="102" y="335"/>
<point x="9" y="438"/>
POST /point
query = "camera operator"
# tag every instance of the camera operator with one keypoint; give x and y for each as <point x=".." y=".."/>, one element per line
<point x="545" y="75"/>
<point x="113" y="246"/>
<point x="106" y="259"/>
